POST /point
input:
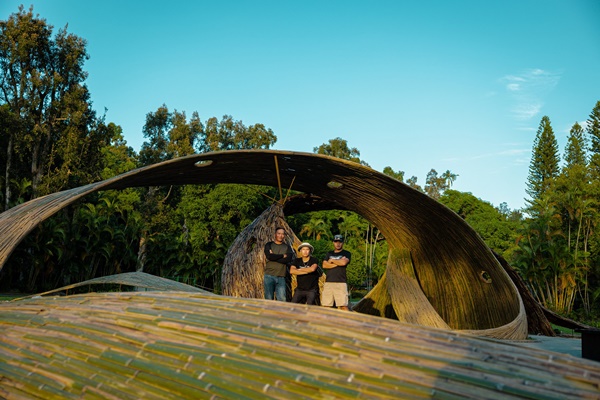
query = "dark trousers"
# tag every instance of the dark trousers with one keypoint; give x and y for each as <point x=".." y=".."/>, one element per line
<point x="304" y="296"/>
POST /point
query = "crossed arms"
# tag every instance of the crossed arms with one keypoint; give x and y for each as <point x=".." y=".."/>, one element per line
<point x="333" y="263"/>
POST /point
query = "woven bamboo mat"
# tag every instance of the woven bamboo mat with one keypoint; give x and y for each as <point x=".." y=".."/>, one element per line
<point x="158" y="345"/>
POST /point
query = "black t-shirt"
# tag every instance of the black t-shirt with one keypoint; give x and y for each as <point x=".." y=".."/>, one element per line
<point x="308" y="281"/>
<point x="337" y="274"/>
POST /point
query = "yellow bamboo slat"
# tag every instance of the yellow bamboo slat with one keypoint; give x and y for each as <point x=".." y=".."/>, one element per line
<point x="187" y="345"/>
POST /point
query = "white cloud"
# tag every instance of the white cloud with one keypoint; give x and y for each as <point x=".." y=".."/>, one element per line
<point x="513" y="87"/>
<point x="514" y="152"/>
<point x="525" y="110"/>
<point x="526" y="129"/>
<point x="528" y="91"/>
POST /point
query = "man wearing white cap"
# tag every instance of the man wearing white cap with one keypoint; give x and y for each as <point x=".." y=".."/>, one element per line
<point x="307" y="274"/>
<point x="335" y="288"/>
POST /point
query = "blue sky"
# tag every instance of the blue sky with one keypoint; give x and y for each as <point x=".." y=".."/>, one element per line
<point x="450" y="85"/>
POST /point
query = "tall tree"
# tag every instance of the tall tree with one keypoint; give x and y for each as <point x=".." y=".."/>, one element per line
<point x="593" y="130"/>
<point x="412" y="182"/>
<point x="435" y="185"/>
<point x="338" y="147"/>
<point x="543" y="168"/>
<point x="573" y="195"/>
<point x="542" y="258"/>
<point x="449" y="179"/>
<point x="317" y="227"/>
<point x="397" y="175"/>
<point x="42" y="82"/>
<point x="593" y="275"/>
<point x="495" y="226"/>
<point x="576" y="150"/>
<point x="228" y="134"/>
<point x="196" y="224"/>
<point x="169" y="135"/>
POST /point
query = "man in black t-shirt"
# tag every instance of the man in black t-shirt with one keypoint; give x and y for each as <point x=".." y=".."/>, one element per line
<point x="335" y="263"/>
<point x="307" y="274"/>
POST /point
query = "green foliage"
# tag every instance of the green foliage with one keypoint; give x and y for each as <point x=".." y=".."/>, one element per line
<point x="214" y="216"/>
<point x="169" y="136"/>
<point x="412" y="182"/>
<point x="117" y="157"/>
<point x="396" y="175"/>
<point x="322" y="247"/>
<point x="575" y="152"/>
<point x="558" y="246"/>
<point x="436" y="185"/>
<point x="544" y="260"/>
<point x="593" y="130"/>
<point x="338" y="147"/>
<point x="316" y="228"/>
<point x="228" y="134"/>
<point x="51" y="142"/>
<point x="543" y="168"/>
<point x="496" y="228"/>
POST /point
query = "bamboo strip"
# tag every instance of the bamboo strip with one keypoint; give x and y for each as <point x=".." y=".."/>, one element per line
<point x="289" y="349"/>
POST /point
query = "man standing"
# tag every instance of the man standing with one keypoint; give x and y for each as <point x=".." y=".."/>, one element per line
<point x="335" y="263"/>
<point x="305" y="268"/>
<point x="278" y="255"/>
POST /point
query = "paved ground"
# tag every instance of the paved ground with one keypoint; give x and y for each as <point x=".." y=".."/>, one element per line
<point x="564" y="345"/>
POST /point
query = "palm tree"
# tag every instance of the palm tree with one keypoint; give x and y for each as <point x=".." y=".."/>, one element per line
<point x="316" y="228"/>
<point x="352" y="225"/>
<point x="449" y="178"/>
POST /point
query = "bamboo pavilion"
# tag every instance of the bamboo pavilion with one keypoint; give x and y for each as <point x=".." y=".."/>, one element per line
<point x="446" y="296"/>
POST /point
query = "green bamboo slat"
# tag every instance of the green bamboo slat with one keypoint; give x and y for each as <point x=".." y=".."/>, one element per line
<point x="78" y="380"/>
<point x="111" y="380"/>
<point x="304" y="349"/>
<point x="35" y="381"/>
<point x="23" y="384"/>
<point x="228" y="374"/>
<point x="134" y="385"/>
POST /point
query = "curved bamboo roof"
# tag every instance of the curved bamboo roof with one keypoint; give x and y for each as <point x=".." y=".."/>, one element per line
<point x="159" y="345"/>
<point x="452" y="275"/>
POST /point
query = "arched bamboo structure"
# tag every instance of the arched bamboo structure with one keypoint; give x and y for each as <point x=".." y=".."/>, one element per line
<point x="452" y="277"/>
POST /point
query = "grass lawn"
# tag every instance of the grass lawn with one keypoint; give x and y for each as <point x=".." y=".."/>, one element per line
<point x="10" y="296"/>
<point x="565" y="331"/>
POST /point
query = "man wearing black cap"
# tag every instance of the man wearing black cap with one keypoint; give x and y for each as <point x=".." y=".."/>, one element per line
<point x="335" y="263"/>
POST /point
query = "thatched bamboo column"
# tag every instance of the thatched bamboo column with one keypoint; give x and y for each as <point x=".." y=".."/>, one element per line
<point x="244" y="264"/>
